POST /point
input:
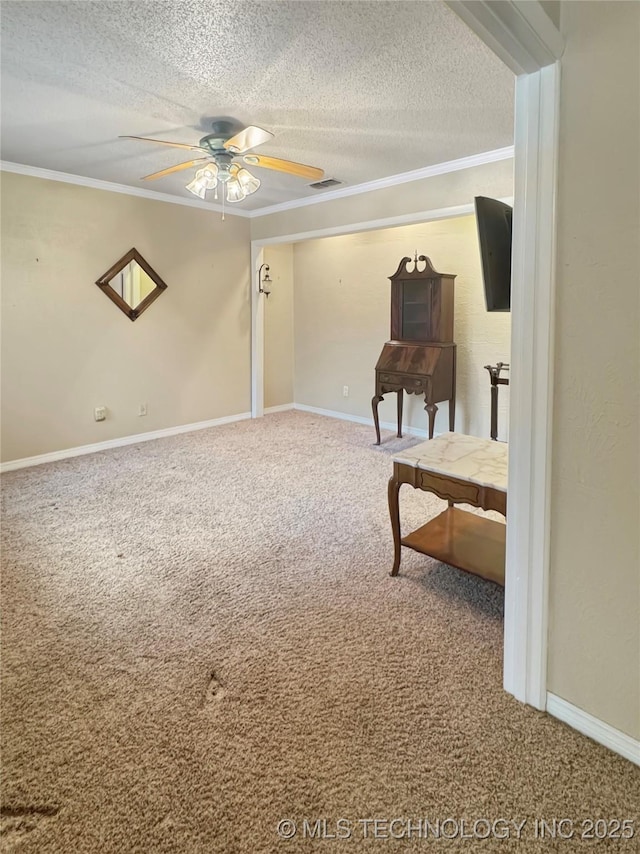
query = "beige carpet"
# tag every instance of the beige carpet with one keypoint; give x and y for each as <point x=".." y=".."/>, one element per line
<point x="201" y="639"/>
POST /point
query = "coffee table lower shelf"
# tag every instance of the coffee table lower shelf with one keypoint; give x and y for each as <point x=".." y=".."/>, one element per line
<point x="464" y="540"/>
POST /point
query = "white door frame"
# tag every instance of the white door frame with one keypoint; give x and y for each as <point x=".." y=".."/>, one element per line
<point x="531" y="386"/>
<point x="522" y="35"/>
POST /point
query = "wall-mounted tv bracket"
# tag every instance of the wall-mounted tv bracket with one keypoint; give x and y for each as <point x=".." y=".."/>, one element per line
<point x="496" y="380"/>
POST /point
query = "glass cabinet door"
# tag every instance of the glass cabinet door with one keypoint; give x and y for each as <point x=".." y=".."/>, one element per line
<point x="415" y="311"/>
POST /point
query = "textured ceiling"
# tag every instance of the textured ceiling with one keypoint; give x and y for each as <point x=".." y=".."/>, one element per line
<point x="363" y="90"/>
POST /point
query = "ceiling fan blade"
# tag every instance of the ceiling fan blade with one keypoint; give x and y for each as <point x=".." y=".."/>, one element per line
<point x="165" y="142"/>
<point x="247" y="138"/>
<point x="178" y="168"/>
<point x="288" y="166"/>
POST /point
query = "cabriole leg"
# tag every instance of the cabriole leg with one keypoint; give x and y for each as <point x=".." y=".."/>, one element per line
<point x="394" y="513"/>
<point x="375" y="400"/>
<point x="431" y="412"/>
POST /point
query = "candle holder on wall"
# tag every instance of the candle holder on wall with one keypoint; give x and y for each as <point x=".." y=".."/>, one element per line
<point x="264" y="282"/>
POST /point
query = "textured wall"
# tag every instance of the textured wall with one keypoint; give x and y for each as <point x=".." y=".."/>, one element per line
<point x="342" y="311"/>
<point x="278" y="327"/>
<point x="594" y="652"/>
<point x="66" y="348"/>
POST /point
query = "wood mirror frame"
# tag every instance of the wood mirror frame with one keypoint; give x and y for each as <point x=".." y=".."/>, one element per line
<point x="104" y="283"/>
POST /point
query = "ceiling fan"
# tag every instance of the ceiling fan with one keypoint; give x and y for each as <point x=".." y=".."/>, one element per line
<point x="220" y="150"/>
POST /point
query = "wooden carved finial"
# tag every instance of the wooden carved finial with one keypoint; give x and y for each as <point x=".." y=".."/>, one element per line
<point x="427" y="272"/>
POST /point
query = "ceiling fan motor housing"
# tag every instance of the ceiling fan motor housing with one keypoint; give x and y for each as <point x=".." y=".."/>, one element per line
<point x="215" y="144"/>
<point x="221" y="131"/>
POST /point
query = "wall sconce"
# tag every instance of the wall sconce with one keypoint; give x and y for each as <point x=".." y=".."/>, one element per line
<point x="264" y="282"/>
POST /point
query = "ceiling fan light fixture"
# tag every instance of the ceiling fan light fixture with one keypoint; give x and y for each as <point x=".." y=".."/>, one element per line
<point x="247" y="181"/>
<point x="235" y="191"/>
<point x="205" y="179"/>
<point x="197" y="187"/>
<point x="209" y="173"/>
<point x="239" y="183"/>
<point x="224" y="172"/>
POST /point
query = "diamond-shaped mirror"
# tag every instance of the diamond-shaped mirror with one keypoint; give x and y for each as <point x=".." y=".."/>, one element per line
<point x="132" y="284"/>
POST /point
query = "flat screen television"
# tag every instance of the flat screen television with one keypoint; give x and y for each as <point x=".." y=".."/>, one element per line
<point x="494" y="233"/>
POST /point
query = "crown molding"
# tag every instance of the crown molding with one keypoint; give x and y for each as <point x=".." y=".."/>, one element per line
<point x="108" y="186"/>
<point x="343" y="192"/>
<point x="371" y="224"/>
<point x="393" y="180"/>
<point x="519" y="32"/>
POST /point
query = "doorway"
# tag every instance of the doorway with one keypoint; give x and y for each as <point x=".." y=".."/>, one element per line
<point x="532" y="53"/>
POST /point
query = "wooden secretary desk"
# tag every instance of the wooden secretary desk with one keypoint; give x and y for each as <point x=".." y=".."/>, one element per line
<point x="420" y="358"/>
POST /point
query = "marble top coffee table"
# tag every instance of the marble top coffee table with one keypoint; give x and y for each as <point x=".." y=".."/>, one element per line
<point x="461" y="470"/>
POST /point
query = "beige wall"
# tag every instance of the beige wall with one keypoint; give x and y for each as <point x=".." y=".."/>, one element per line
<point x="594" y="652"/>
<point x="342" y="313"/>
<point x="428" y="194"/>
<point x="66" y="348"/>
<point x="278" y="327"/>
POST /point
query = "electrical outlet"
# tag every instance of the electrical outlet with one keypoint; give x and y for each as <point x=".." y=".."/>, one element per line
<point x="142" y="409"/>
<point x="100" y="413"/>
<point x="345" y="391"/>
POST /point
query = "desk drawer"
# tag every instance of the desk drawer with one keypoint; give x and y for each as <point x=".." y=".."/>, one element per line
<point x="407" y="381"/>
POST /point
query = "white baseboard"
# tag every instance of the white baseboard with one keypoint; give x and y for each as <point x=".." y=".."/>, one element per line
<point x="54" y="456"/>
<point x="67" y="453"/>
<point x="282" y="407"/>
<point x="359" y="419"/>
<point x="594" y="728"/>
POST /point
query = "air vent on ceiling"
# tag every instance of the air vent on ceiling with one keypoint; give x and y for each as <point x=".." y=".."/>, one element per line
<point x="322" y="185"/>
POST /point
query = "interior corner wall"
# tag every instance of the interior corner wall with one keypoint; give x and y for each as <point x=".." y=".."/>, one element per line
<point x="552" y="8"/>
<point x="66" y="348"/>
<point x="278" y="327"/>
<point x="594" y="573"/>
<point x="342" y="304"/>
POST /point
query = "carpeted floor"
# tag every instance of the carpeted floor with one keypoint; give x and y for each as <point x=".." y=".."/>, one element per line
<point x="201" y="639"/>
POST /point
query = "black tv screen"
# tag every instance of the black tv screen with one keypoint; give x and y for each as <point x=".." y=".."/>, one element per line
<point x="494" y="233"/>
